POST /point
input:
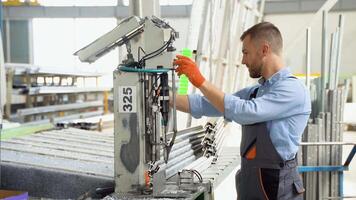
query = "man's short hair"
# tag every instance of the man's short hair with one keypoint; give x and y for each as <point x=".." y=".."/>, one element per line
<point x="268" y="32"/>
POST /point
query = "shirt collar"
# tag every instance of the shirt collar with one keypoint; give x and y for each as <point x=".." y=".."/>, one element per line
<point x="284" y="72"/>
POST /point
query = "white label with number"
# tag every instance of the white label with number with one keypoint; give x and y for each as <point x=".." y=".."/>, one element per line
<point x="127" y="99"/>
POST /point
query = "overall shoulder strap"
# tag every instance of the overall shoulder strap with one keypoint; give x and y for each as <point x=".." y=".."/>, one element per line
<point x="254" y="93"/>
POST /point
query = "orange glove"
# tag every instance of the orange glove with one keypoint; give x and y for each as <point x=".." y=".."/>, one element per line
<point x="189" y="68"/>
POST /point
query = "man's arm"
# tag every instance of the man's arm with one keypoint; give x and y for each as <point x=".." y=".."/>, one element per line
<point x="214" y="95"/>
<point x="189" y="68"/>
<point x="182" y="103"/>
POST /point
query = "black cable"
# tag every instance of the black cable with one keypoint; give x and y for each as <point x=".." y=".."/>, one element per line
<point x="138" y="52"/>
<point x="152" y="89"/>
<point x="160" y="50"/>
<point x="156" y="52"/>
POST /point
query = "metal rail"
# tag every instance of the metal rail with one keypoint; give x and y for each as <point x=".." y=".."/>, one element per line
<point x="29" y="69"/>
<point x="57" y="108"/>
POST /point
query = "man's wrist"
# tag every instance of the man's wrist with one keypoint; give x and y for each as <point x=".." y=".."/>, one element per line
<point x="199" y="82"/>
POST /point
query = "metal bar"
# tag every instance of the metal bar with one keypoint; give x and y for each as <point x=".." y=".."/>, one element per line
<point x="64" y="90"/>
<point x="321" y="168"/>
<point x="65" y="118"/>
<point x="9" y="82"/>
<point x="327" y="153"/>
<point x="339" y="110"/>
<point x="339" y="46"/>
<point x="333" y="158"/>
<point x="21" y="68"/>
<point x="323" y="62"/>
<point x="1" y="18"/>
<point x="308" y="57"/>
<point x="261" y="10"/>
<point x="88" y="142"/>
<point x="56" y="153"/>
<point x="319" y="159"/>
<point x="56" y="108"/>
<point x="314" y="160"/>
<point x="332" y="57"/>
<point x="324" y="175"/>
<point x="65" y="134"/>
<point x="326" y="143"/>
<point x="67" y="165"/>
<point x="88" y="150"/>
<point x="351" y="156"/>
<point x="60" y="143"/>
<point x="341" y="183"/>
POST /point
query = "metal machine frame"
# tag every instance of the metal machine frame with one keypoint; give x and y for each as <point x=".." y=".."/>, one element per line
<point x="141" y="111"/>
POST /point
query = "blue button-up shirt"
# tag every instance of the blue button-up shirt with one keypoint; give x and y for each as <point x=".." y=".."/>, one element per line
<point x="282" y="102"/>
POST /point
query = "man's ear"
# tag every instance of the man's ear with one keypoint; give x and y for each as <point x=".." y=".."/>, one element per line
<point x="265" y="48"/>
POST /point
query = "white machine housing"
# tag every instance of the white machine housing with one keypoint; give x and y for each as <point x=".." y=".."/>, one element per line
<point x="154" y="35"/>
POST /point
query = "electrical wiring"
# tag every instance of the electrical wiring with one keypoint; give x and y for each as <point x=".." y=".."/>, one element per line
<point x="156" y="52"/>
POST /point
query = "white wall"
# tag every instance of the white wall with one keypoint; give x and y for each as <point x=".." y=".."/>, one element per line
<point x="291" y="25"/>
<point x="55" y="41"/>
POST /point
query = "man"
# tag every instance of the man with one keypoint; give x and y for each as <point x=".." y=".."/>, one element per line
<point x="273" y="115"/>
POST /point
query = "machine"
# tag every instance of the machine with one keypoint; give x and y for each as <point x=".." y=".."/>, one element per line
<point x="150" y="155"/>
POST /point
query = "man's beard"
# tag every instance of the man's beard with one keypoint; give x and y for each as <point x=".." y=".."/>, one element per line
<point x="255" y="73"/>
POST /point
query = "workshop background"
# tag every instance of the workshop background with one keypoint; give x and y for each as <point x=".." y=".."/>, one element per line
<point x="59" y="122"/>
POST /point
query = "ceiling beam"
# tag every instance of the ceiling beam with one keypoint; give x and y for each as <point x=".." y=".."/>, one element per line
<point x="304" y="6"/>
<point x="29" y="12"/>
<point x="169" y="11"/>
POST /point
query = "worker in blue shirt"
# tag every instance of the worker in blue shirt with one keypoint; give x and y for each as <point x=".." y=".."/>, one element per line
<point x="273" y="115"/>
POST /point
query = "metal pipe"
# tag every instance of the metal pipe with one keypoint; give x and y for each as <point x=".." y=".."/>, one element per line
<point x="326" y="143"/>
<point x="341" y="184"/>
<point x="339" y="46"/>
<point x="323" y="62"/>
<point x="308" y="57"/>
<point x="56" y="108"/>
<point x="1" y="17"/>
<point x="332" y="61"/>
<point x="171" y="143"/>
<point x="261" y="10"/>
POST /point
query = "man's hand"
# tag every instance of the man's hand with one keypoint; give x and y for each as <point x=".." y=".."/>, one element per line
<point x="189" y="68"/>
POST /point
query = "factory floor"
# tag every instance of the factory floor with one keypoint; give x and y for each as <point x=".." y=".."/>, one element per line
<point x="350" y="176"/>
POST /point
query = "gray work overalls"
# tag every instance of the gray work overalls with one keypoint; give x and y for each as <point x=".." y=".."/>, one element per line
<point x="266" y="176"/>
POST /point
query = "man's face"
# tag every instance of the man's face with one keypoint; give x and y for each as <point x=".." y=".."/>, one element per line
<point x="252" y="57"/>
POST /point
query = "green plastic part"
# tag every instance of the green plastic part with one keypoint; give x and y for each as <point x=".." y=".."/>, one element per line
<point x="183" y="80"/>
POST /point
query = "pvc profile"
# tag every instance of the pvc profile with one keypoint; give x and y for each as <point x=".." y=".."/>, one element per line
<point x="323" y="61"/>
<point x="339" y="46"/>
<point x="308" y="57"/>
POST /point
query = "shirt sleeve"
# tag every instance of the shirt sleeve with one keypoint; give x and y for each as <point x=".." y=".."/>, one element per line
<point x="285" y="99"/>
<point x="200" y="106"/>
<point x="245" y="93"/>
